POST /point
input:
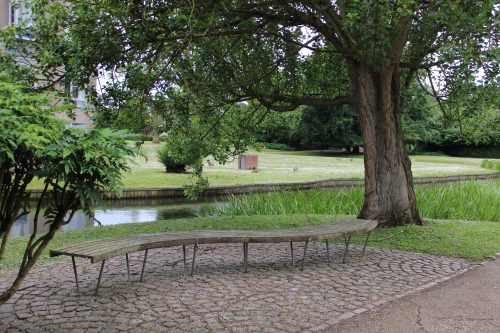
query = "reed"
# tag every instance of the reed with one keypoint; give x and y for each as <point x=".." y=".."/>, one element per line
<point x="472" y="200"/>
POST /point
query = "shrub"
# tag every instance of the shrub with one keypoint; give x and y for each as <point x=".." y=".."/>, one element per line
<point x="172" y="164"/>
<point x="278" y="146"/>
<point x="76" y="167"/>
<point x="134" y="137"/>
<point x="489" y="151"/>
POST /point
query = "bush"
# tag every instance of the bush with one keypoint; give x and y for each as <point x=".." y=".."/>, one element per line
<point x="171" y="163"/>
<point x="134" y="137"/>
<point x="489" y="151"/>
<point x="278" y="146"/>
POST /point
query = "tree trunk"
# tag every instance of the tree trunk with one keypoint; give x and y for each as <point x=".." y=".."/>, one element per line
<point x="389" y="195"/>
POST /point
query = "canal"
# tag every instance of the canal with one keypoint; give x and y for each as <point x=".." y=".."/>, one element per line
<point x="125" y="211"/>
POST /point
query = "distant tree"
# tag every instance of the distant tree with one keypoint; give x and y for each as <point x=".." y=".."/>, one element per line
<point x="281" y="128"/>
<point x="471" y="116"/>
<point x="330" y="127"/>
<point x="421" y="119"/>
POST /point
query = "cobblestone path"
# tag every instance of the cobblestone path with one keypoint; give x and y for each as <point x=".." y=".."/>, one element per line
<point x="271" y="297"/>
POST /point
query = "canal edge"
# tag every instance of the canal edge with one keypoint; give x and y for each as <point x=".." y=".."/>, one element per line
<point x="178" y="192"/>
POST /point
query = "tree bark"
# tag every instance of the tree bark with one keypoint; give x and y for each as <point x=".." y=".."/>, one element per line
<point x="389" y="195"/>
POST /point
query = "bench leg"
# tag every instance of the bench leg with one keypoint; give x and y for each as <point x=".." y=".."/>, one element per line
<point x="128" y="266"/>
<point x="76" y="274"/>
<point x="304" y="258"/>
<point x="184" y="258"/>
<point x="99" y="279"/>
<point x="347" y="241"/>
<point x="194" y="259"/>
<point x="327" y="250"/>
<point x="366" y="242"/>
<point x="291" y="251"/>
<point x="144" y="264"/>
<point x="245" y="257"/>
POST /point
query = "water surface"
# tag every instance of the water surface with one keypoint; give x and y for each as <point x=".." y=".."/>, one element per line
<point x="124" y="211"/>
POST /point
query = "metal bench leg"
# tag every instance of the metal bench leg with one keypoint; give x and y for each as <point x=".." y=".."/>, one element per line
<point x="366" y="242"/>
<point x="76" y="274"/>
<point x="194" y="259"/>
<point x="291" y="251"/>
<point x="304" y="258"/>
<point x="144" y="264"/>
<point x="347" y="241"/>
<point x="245" y="257"/>
<point x="99" y="279"/>
<point x="327" y="250"/>
<point x="128" y="266"/>
<point x="184" y="257"/>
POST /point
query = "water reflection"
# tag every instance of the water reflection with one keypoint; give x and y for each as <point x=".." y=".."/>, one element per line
<point x="25" y="224"/>
<point x="124" y="211"/>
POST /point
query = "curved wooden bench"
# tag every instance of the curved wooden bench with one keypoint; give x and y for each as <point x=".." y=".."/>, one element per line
<point x="102" y="249"/>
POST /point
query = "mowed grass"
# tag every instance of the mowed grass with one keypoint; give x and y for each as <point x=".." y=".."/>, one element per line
<point x="471" y="200"/>
<point x="468" y="239"/>
<point x="285" y="167"/>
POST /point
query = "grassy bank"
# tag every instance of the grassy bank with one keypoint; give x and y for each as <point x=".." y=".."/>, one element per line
<point x="478" y="200"/>
<point x="467" y="239"/>
<point x="282" y="166"/>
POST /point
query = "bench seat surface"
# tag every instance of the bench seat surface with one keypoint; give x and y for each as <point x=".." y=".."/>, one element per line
<point x="102" y="249"/>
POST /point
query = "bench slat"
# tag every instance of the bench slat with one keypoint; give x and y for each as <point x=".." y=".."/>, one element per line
<point x="102" y="249"/>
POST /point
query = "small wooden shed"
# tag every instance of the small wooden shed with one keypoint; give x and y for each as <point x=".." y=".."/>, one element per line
<point x="248" y="162"/>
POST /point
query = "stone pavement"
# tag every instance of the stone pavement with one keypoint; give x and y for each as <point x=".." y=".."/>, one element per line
<point x="271" y="297"/>
<point x="468" y="303"/>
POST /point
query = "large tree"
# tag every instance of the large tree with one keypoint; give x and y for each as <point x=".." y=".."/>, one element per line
<point x="283" y="54"/>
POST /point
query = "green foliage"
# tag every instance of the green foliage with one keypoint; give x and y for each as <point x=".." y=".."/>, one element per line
<point x="76" y="166"/>
<point x="471" y="116"/>
<point x="278" y="129"/>
<point x="25" y="124"/>
<point x="421" y="119"/>
<point x="464" y="200"/>
<point x="330" y="127"/>
<point x="493" y="165"/>
<point x="27" y="128"/>
<point x="489" y="151"/>
<point x="175" y="164"/>
<point x="211" y="70"/>
<point x="137" y="137"/>
<point x="83" y="164"/>
<point x="335" y="202"/>
<point x="278" y="146"/>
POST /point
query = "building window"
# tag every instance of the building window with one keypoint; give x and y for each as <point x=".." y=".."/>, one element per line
<point x="19" y="11"/>
<point x="78" y="95"/>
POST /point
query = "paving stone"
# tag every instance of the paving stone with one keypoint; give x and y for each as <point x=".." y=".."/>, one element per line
<point x="271" y="297"/>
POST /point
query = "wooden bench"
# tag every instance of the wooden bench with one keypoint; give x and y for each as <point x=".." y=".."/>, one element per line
<point x="103" y="249"/>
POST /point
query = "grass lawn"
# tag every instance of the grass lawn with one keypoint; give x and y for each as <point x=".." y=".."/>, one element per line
<point x="468" y="239"/>
<point x="278" y="166"/>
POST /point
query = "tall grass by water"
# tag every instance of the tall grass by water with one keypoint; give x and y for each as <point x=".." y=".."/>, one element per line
<point x="471" y="200"/>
